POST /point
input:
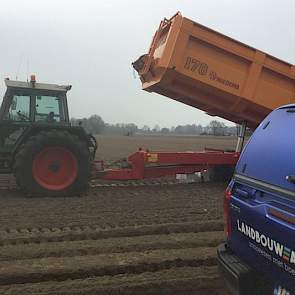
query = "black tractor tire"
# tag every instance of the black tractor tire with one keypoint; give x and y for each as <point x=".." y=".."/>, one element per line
<point x="25" y="163"/>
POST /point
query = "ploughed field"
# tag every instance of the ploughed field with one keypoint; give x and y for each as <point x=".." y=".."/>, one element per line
<point x="112" y="148"/>
<point x="156" y="237"/>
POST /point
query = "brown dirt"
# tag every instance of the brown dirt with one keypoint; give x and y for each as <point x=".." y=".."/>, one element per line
<point x="111" y="207"/>
<point x="113" y="240"/>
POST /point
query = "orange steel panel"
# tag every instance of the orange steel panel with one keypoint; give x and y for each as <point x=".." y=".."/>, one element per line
<point x="200" y="67"/>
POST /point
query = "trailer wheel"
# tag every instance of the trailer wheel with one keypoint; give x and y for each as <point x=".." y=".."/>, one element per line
<point x="53" y="163"/>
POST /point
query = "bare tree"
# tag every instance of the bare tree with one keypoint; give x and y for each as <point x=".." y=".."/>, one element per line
<point x="217" y="128"/>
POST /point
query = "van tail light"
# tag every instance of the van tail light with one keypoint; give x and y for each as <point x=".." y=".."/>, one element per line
<point x="226" y="208"/>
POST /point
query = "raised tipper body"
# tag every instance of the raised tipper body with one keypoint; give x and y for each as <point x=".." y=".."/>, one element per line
<point x="200" y="67"/>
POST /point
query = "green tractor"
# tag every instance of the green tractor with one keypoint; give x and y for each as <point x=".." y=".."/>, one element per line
<point x="47" y="155"/>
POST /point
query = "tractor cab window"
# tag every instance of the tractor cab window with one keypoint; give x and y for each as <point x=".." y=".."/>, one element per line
<point x="49" y="109"/>
<point x="19" y="109"/>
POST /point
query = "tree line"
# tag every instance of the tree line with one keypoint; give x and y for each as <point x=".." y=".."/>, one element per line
<point x="96" y="125"/>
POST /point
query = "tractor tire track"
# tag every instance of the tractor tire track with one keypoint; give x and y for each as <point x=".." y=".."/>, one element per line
<point x="111" y="245"/>
<point x="64" y="268"/>
<point x="176" y="281"/>
<point x="47" y="235"/>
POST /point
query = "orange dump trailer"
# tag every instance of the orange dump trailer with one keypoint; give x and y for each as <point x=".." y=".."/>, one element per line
<point x="202" y="68"/>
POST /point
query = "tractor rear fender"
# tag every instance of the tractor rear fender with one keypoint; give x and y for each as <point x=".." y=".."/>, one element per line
<point x="76" y="130"/>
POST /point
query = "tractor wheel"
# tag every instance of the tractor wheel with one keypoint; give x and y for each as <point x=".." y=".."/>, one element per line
<point x="53" y="163"/>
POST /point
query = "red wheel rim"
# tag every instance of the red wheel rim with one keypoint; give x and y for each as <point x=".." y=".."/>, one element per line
<point x="55" y="168"/>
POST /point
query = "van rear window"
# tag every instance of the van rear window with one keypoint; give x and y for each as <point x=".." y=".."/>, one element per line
<point x="269" y="155"/>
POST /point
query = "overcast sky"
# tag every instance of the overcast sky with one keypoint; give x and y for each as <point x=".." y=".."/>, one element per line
<point x="91" y="44"/>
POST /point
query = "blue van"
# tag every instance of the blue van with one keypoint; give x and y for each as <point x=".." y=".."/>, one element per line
<point x="258" y="256"/>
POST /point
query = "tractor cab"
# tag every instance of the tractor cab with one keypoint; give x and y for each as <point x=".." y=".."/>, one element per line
<point x="31" y="102"/>
<point x="27" y="104"/>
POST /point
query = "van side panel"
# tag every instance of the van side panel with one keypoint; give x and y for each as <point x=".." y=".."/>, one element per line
<point x="263" y="241"/>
